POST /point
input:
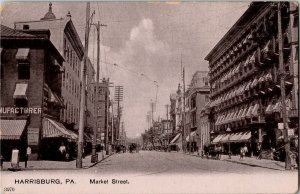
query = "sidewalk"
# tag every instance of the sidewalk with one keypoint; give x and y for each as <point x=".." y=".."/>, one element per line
<point x="56" y="165"/>
<point x="249" y="161"/>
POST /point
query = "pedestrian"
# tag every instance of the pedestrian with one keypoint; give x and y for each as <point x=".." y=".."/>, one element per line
<point x="243" y="151"/>
<point x="259" y="156"/>
<point x="62" y="151"/>
<point x="272" y="153"/>
<point x="28" y="152"/>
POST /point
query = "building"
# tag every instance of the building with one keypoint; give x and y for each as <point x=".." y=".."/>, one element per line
<point x="102" y="104"/>
<point x="30" y="109"/>
<point x="245" y="78"/>
<point x="66" y="39"/>
<point x="197" y="96"/>
<point x="90" y="116"/>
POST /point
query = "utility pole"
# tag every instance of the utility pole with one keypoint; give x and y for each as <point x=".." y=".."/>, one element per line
<point x="167" y="107"/>
<point x="112" y="123"/>
<point x="282" y="75"/>
<point x="183" y="82"/>
<point x="118" y="98"/>
<point x="82" y="99"/>
<point x="152" y="113"/>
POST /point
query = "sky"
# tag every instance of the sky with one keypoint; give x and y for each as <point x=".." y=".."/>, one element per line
<point x="146" y="41"/>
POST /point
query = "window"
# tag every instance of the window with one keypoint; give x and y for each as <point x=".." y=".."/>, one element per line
<point x="25" y="27"/>
<point x="21" y="102"/>
<point x="23" y="71"/>
<point x="296" y="54"/>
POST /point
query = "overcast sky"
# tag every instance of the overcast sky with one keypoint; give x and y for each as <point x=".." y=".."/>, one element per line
<point x="146" y="41"/>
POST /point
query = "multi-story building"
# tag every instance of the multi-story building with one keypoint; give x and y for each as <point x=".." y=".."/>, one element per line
<point x="245" y="78"/>
<point x="30" y="108"/>
<point x="66" y="39"/>
<point x="90" y="122"/>
<point x="197" y="96"/>
<point x="102" y="104"/>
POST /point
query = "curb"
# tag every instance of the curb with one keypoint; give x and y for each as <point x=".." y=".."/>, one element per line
<point x="105" y="157"/>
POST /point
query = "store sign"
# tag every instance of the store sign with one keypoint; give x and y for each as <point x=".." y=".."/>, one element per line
<point x="33" y="136"/>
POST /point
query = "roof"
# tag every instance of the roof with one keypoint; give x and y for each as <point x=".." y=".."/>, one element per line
<point x="234" y="32"/>
<point x="9" y="32"/>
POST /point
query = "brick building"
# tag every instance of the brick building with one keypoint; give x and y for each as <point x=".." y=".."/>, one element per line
<point x="66" y="39"/>
<point x="31" y="70"/>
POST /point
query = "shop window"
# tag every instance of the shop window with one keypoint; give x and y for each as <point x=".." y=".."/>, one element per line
<point x="23" y="71"/>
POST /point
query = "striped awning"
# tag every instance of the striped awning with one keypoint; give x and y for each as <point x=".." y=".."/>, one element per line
<point x="217" y="139"/>
<point x="54" y="129"/>
<point x="22" y="54"/>
<point x="12" y="129"/>
<point x="175" y="139"/>
<point x="21" y="91"/>
<point x="192" y="135"/>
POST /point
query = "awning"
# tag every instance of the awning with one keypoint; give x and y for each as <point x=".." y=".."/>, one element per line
<point x="236" y="136"/>
<point x="225" y="138"/>
<point x="244" y="112"/>
<point x="255" y="110"/>
<point x="21" y="91"/>
<point x="269" y="109"/>
<point x="217" y="139"/>
<point x="54" y="129"/>
<point x="174" y="140"/>
<point x="88" y="138"/>
<point x="246" y="136"/>
<point x="248" y="115"/>
<point x="53" y="97"/>
<point x="22" y="54"/>
<point x="12" y="129"/>
<point x="254" y="83"/>
<point x="192" y="135"/>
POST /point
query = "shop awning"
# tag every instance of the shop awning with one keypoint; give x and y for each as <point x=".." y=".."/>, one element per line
<point x="246" y="136"/>
<point x="225" y="138"/>
<point x="175" y="139"/>
<point x="236" y="136"/>
<point x="192" y="135"/>
<point x="12" y="129"/>
<point x="20" y="91"/>
<point x="217" y="139"/>
<point x="54" y="129"/>
<point x="22" y="54"/>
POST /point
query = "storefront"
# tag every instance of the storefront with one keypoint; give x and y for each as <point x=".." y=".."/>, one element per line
<point x="55" y="135"/>
<point x="13" y="136"/>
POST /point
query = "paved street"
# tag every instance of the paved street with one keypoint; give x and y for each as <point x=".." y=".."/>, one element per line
<point x="155" y="162"/>
<point x="162" y="172"/>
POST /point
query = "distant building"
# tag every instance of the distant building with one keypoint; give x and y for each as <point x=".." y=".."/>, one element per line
<point x="102" y="108"/>
<point x="31" y="69"/>
<point x="197" y="96"/>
